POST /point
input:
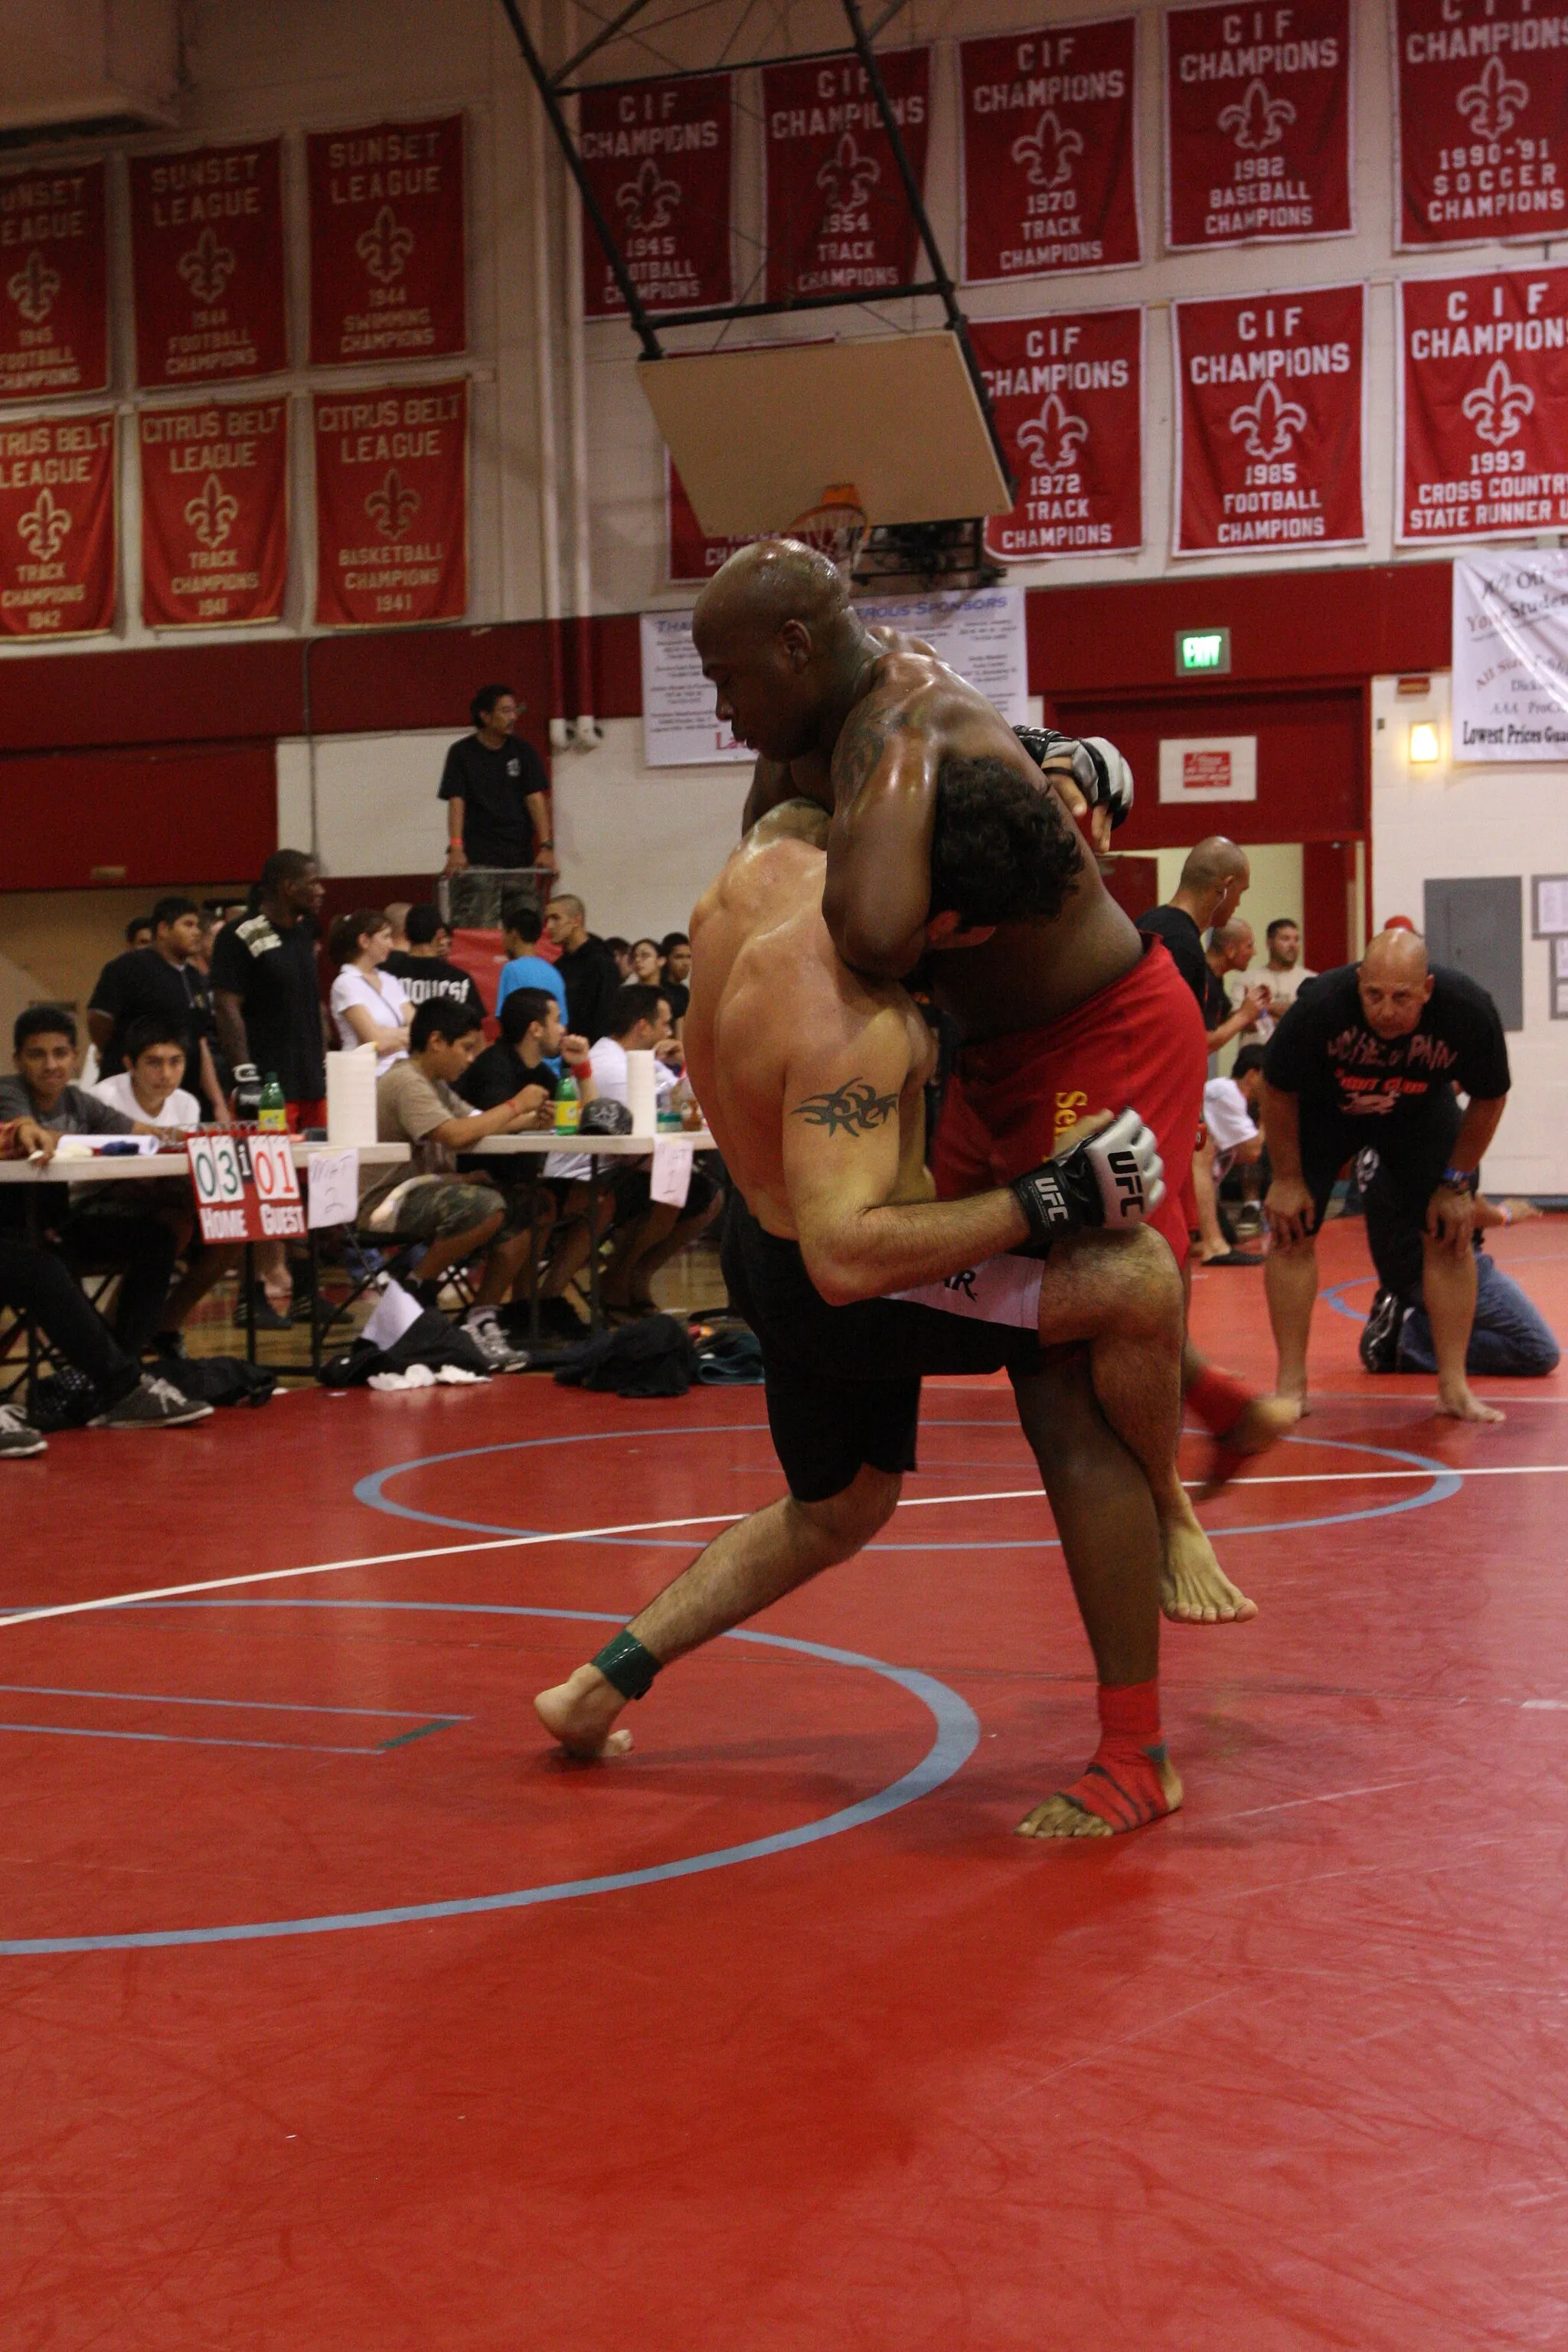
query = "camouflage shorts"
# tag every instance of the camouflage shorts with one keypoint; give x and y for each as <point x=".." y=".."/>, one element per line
<point x="435" y="1208"/>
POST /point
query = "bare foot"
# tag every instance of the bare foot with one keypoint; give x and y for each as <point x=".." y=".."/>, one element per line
<point x="1456" y="1399"/>
<point x="1062" y="1816"/>
<point x="579" y="1713"/>
<point x="1263" y="1424"/>
<point x="1193" y="1588"/>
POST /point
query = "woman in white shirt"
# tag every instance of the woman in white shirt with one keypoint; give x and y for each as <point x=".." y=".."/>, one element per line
<point x="367" y="1004"/>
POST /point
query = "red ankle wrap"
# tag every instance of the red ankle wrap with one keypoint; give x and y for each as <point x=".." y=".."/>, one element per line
<point x="1219" y="1399"/>
<point x="1122" y="1783"/>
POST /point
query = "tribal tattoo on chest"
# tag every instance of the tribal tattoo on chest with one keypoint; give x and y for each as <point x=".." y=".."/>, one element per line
<point x="854" y="1109"/>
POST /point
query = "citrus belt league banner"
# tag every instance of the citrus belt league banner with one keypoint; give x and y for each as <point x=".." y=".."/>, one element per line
<point x="392" y="505"/>
<point x="1481" y="115"/>
<point x="215" y="527"/>
<point x="1483" y="405"/>
<point x="837" y="220"/>
<point x="658" y="156"/>
<point x="1066" y="392"/>
<point x="1049" y="125"/>
<point x="387" y="258"/>
<point x="1258" y="123"/>
<point x="58" y="561"/>
<point x="1268" y="421"/>
<point x="206" y="246"/>
<point x="54" y="283"/>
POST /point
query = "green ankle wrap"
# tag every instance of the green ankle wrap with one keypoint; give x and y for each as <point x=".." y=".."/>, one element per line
<point x="625" y="1662"/>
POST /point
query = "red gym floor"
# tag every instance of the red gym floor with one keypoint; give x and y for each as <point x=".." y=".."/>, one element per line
<point x="341" y="2016"/>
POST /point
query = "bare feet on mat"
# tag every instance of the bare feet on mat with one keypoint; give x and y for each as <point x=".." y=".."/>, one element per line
<point x="1116" y="1793"/>
<point x="580" y="1712"/>
<point x="1193" y="1588"/>
<point x="1262" y="1425"/>
<point x="1459" y="1402"/>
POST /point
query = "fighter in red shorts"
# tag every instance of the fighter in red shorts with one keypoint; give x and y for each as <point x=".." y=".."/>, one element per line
<point x="862" y="723"/>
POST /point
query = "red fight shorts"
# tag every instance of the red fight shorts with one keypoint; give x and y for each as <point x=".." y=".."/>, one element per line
<point x="1139" y="1041"/>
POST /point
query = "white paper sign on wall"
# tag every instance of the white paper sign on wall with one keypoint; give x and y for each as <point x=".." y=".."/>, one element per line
<point x="1510" y="657"/>
<point x="1208" y="767"/>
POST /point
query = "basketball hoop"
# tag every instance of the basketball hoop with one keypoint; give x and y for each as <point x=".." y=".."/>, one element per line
<point x="835" y="527"/>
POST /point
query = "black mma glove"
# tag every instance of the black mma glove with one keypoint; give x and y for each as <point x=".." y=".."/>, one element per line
<point x="1099" y="769"/>
<point x="1116" y="1179"/>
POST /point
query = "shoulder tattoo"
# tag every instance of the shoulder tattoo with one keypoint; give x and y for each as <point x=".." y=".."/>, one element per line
<point x="854" y="1109"/>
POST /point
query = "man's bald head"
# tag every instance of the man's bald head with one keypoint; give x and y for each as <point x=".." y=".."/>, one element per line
<point x="1399" y="954"/>
<point x="1213" y="876"/>
<point x="1233" y="943"/>
<point x="1394" y="981"/>
<point x="777" y="637"/>
<point x="769" y="583"/>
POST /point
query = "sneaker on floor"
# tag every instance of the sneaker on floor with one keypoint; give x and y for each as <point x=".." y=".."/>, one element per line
<point x="483" y="1328"/>
<point x="1379" y="1343"/>
<point x="152" y="1405"/>
<point x="19" y="1438"/>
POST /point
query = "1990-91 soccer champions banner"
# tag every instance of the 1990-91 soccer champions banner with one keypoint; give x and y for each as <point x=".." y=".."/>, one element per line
<point x="392" y="505"/>
<point x="1050" y="151"/>
<point x="56" y="527"/>
<point x="1482" y="94"/>
<point x="387" y="263"/>
<point x="658" y="156"/>
<point x="54" y="283"/>
<point x="1483" y="407"/>
<point x="1068" y="394"/>
<point x="838" y="219"/>
<point x="215" y="528"/>
<point x="207" y="242"/>
<point x="1258" y="123"/>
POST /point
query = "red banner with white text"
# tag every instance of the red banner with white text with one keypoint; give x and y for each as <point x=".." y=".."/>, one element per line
<point x="54" y="283"/>
<point x="1067" y="391"/>
<point x="387" y="257"/>
<point x="1481" y="114"/>
<point x="1258" y="123"/>
<point x="206" y="246"/>
<point x="838" y="219"/>
<point x="658" y="156"/>
<point x="392" y="506"/>
<point x="58" y="556"/>
<point x="214" y="514"/>
<point x="1050" y="151"/>
<point x="1268" y="422"/>
<point x="1483" y="405"/>
<point x="693" y="555"/>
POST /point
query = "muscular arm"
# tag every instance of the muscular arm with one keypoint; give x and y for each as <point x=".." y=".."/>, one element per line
<point x="228" y="1011"/>
<point x="878" y="892"/>
<point x="1481" y="1120"/>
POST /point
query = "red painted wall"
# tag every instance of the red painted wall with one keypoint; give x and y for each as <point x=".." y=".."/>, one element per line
<point x="170" y="813"/>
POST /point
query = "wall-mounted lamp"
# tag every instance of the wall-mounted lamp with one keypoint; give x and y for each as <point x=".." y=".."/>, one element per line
<point x="1422" y="744"/>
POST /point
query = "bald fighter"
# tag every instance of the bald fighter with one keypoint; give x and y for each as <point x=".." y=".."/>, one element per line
<point x="1372" y="1054"/>
<point x="812" y="1081"/>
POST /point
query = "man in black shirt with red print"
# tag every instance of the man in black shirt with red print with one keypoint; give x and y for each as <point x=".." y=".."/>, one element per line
<point x="1372" y="1054"/>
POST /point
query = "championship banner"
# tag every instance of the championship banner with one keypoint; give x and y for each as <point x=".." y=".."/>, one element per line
<point x="206" y="251"/>
<point x="657" y="157"/>
<point x="1481" y="122"/>
<point x="1483" y="405"/>
<point x="387" y="256"/>
<point x="54" y="284"/>
<point x="58" y="550"/>
<point x="1268" y="421"/>
<point x="836" y="218"/>
<point x="1049" y="128"/>
<point x="215" y="508"/>
<point x="1066" y="392"/>
<point x="1258" y="123"/>
<point x="693" y="555"/>
<point x="392" y="506"/>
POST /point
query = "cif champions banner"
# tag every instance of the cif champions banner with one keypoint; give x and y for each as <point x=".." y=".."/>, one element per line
<point x="1483" y="405"/>
<point x="392" y="505"/>
<point x="1481" y="93"/>
<point x="54" y="283"/>
<point x="1050" y="126"/>
<point x="56" y="527"/>
<point x="837" y="217"/>
<point x="1068" y="394"/>
<point x="1258" y="123"/>
<point x="658" y="156"/>
<point x="206" y="243"/>
<point x="215" y="527"/>
<point x="387" y="263"/>
<point x="1268" y="421"/>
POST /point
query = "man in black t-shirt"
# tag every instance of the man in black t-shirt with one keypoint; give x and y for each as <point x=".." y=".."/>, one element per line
<point x="589" y="973"/>
<point x="424" y="973"/>
<point x="165" y="982"/>
<point x="498" y="798"/>
<point x="265" y="993"/>
<point x="1214" y="879"/>
<point x="1372" y="1054"/>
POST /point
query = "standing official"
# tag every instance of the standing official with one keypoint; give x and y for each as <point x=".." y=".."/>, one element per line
<point x="498" y="801"/>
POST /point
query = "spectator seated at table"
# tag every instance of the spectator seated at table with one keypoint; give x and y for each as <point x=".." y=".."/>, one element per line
<point x="675" y="948"/>
<point x="531" y="1042"/>
<point x="166" y="980"/>
<point x="368" y="1006"/>
<point x="424" y="970"/>
<point x="151" y="1088"/>
<point x="521" y="928"/>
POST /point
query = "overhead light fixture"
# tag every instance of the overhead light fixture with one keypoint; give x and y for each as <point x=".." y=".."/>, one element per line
<point x="1422" y="744"/>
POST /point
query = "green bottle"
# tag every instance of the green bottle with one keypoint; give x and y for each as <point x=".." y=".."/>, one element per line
<point x="568" y="1108"/>
<point x="272" y="1112"/>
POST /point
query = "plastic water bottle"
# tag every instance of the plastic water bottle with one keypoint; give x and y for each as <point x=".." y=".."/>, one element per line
<point x="272" y="1112"/>
<point x="568" y="1106"/>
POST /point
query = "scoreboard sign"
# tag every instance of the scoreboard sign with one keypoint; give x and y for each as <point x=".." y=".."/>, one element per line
<point x="247" y="1188"/>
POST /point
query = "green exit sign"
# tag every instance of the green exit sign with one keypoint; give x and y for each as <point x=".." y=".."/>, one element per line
<point x="1201" y="652"/>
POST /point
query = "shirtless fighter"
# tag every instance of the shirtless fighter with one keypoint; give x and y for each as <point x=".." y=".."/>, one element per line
<point x="812" y="1080"/>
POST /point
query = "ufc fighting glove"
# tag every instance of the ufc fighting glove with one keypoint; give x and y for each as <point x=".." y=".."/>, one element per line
<point x="1116" y="1178"/>
<point x="1099" y="769"/>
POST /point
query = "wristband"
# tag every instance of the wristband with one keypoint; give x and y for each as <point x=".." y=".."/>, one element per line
<point x="1459" y="1179"/>
<point x="581" y="1069"/>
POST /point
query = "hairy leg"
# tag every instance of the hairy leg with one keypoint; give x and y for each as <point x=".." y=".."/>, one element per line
<point x="1448" y="1287"/>
<point x="1291" y="1280"/>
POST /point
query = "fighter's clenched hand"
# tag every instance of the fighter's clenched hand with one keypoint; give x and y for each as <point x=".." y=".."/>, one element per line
<point x="1115" y="1178"/>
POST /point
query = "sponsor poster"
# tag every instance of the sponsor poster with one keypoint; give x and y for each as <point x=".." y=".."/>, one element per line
<point x="1050" y="151"/>
<point x="1511" y="659"/>
<point x="206" y="248"/>
<point x="658" y="156"/>
<point x="837" y="220"/>
<point x="54" y="283"/>
<point x="1483" y="405"/>
<point x="1482" y="122"/>
<point x="392" y="505"/>
<point x="680" y="726"/>
<point x="1067" y="391"/>
<point x="215" y="513"/>
<point x="57" y="549"/>
<point x="1258" y="123"/>
<point x="1268" y="421"/>
<point x="387" y="262"/>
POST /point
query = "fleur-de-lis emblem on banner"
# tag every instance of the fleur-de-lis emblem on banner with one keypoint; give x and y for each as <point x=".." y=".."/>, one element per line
<point x="43" y="526"/>
<point x="1258" y="120"/>
<point x="1052" y="440"/>
<point x="1498" y="408"/>
<point x="207" y="267"/>
<point x="1269" y="424"/>
<point x="649" y="200"/>
<point x="212" y="513"/>
<point x="1492" y="105"/>
<point x="385" y="246"/>
<point x="1047" y="151"/>
<point x="393" y="506"/>
<point x="33" y="287"/>
<point x="847" y="177"/>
